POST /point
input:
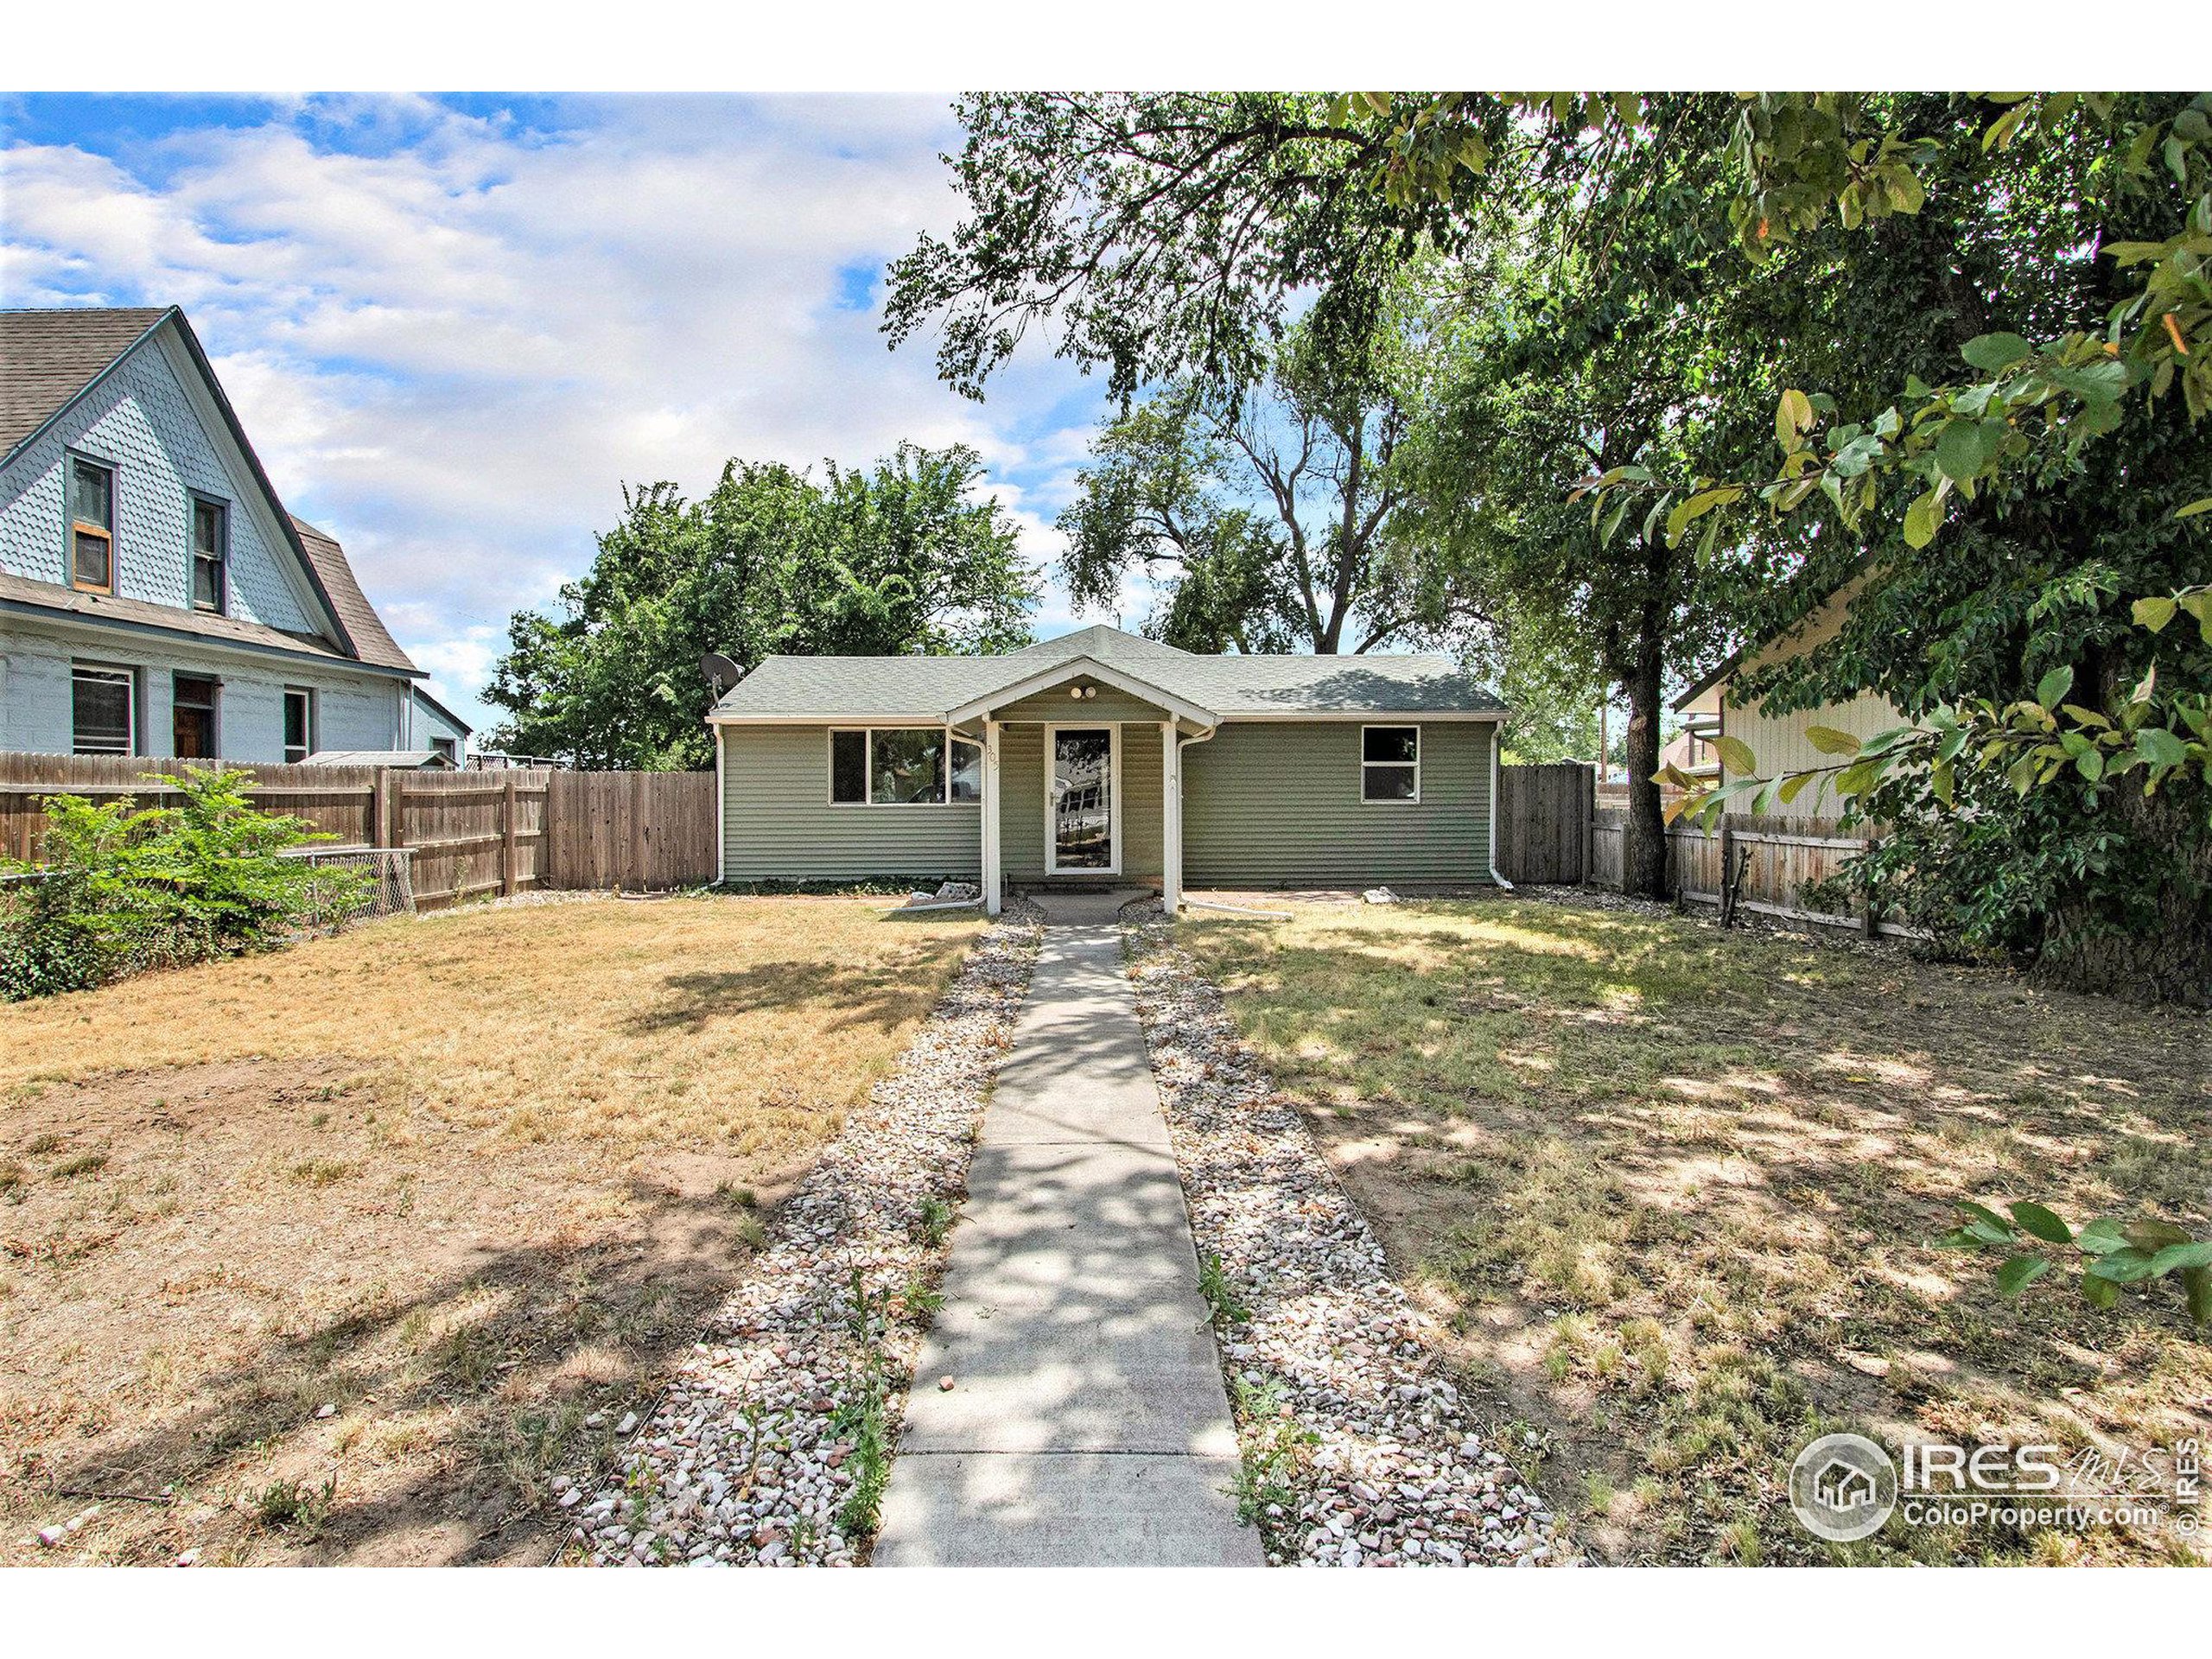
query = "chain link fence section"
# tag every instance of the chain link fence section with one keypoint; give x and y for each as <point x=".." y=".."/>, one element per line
<point x="355" y="884"/>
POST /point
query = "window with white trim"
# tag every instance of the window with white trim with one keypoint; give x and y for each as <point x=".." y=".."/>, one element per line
<point x="903" y="765"/>
<point x="1390" y="763"/>
<point x="104" y="707"/>
<point x="299" y="724"/>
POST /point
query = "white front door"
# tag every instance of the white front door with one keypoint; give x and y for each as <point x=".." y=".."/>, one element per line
<point x="1083" y="800"/>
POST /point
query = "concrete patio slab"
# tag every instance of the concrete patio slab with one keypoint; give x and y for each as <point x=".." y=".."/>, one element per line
<point x="1086" y="1424"/>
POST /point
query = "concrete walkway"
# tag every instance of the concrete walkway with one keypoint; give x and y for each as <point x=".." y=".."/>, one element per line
<point x="1086" y="1425"/>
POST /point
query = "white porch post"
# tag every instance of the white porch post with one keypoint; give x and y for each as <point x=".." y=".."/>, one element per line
<point x="1171" y="811"/>
<point x="991" y="896"/>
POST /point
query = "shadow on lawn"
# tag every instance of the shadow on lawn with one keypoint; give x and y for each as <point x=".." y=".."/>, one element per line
<point x="884" y="997"/>
<point x="1675" y="1191"/>
<point x="520" y="1344"/>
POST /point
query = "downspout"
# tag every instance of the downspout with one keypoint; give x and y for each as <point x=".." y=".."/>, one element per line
<point x="1496" y="730"/>
<point x="721" y="804"/>
<point x="1182" y="827"/>
<point x="1189" y="903"/>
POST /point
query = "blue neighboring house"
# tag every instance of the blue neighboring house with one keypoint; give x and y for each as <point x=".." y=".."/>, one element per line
<point x="155" y="597"/>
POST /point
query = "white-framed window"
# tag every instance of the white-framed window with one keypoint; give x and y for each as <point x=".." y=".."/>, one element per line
<point x="299" y="724"/>
<point x="92" y="526"/>
<point x="903" y="765"/>
<point x="211" y="554"/>
<point x="1390" y="764"/>
<point x="104" y="707"/>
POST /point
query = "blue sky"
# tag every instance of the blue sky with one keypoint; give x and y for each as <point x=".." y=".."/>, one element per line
<point x="454" y="326"/>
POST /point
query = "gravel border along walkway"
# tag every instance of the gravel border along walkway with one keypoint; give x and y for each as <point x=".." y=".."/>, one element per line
<point x="772" y="1442"/>
<point x="1358" y="1449"/>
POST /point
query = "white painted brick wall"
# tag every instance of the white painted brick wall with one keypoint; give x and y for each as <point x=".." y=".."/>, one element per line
<point x="353" y="711"/>
<point x="428" y="724"/>
<point x="141" y="421"/>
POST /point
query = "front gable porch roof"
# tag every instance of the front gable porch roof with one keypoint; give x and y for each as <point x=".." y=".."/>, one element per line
<point x="1081" y="668"/>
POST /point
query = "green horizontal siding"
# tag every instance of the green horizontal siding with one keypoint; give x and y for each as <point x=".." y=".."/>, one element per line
<point x="1021" y="800"/>
<point x="1021" y="803"/>
<point x="1264" y="804"/>
<point x="1276" y="804"/>
<point x="777" y="823"/>
<point x="1108" y="707"/>
<point x="1143" y="834"/>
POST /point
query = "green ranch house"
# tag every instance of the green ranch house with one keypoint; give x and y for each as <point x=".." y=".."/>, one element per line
<point x="1103" y="757"/>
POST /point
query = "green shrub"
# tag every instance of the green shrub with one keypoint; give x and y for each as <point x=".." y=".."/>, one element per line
<point x="46" y="943"/>
<point x="124" y="888"/>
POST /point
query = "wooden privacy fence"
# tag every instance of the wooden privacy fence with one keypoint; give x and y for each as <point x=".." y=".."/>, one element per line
<point x="632" y="829"/>
<point x="1554" y="825"/>
<point x="1776" y="860"/>
<point x="1543" y="823"/>
<point x="466" y="833"/>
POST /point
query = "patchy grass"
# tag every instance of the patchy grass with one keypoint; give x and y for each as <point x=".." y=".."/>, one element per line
<point x="1673" y="1193"/>
<point x="465" y="1180"/>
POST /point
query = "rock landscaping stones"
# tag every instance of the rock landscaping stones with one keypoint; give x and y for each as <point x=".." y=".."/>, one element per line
<point x="770" y="1445"/>
<point x="1358" y="1451"/>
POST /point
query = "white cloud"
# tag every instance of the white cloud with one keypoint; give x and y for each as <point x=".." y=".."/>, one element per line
<point x="451" y="338"/>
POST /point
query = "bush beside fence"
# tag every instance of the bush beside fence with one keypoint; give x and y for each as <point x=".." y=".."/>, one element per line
<point x="465" y="834"/>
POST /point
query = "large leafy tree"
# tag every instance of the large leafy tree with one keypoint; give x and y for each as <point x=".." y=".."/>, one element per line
<point x="901" y="557"/>
<point x="1608" y="324"/>
<point x="1161" y="234"/>
<point x="1269" y="514"/>
<point x="2009" y="518"/>
<point x="2021" y="496"/>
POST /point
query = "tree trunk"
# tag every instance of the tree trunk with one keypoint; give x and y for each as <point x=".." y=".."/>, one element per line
<point x="2160" y="951"/>
<point x="1644" y="855"/>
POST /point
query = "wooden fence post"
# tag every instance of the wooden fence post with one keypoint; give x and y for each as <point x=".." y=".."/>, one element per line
<point x="379" y="828"/>
<point x="1588" y="785"/>
<point x="1728" y="871"/>
<point x="395" y="802"/>
<point x="507" y="835"/>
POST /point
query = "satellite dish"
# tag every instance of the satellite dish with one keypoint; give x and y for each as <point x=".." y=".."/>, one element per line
<point x="721" y="672"/>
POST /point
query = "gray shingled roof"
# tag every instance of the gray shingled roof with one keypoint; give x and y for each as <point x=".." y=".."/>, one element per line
<point x="371" y="638"/>
<point x="866" y="688"/>
<point x="48" y="359"/>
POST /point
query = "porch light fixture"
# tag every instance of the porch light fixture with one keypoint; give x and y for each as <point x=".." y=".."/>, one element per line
<point x="1079" y="691"/>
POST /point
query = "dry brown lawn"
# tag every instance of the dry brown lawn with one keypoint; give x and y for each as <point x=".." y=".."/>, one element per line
<point x="1675" y="1194"/>
<point x="465" y="1181"/>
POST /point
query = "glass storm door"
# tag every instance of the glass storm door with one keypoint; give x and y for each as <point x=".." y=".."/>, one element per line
<point x="1083" y="799"/>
